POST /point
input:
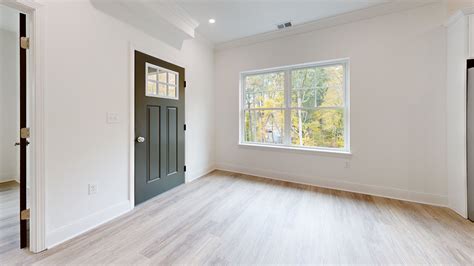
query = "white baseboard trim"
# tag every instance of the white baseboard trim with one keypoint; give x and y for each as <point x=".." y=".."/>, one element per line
<point x="200" y="173"/>
<point x="9" y="177"/>
<point x="462" y="212"/>
<point x="9" y="180"/>
<point x="83" y="225"/>
<point x="380" y="191"/>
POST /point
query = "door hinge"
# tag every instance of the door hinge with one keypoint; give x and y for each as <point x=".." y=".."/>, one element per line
<point x="184" y="127"/>
<point x="185" y="83"/>
<point x="25" y="133"/>
<point x="25" y="42"/>
<point x="25" y="214"/>
<point x="185" y="168"/>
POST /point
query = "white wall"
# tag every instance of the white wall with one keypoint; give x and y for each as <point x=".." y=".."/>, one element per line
<point x="457" y="47"/>
<point x="87" y="70"/>
<point x="9" y="95"/>
<point x="398" y="106"/>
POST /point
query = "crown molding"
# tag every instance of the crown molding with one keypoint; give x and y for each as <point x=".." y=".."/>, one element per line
<point x="358" y="15"/>
<point x="458" y="15"/>
<point x="172" y="13"/>
<point x="165" y="21"/>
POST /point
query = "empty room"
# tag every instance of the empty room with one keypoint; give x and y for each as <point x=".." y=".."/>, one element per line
<point x="236" y="132"/>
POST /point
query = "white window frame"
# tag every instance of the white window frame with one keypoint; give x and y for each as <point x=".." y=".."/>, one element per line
<point x="287" y="91"/>
<point x="158" y="82"/>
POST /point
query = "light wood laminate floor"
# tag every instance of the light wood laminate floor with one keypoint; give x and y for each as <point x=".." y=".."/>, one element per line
<point x="9" y="218"/>
<point x="227" y="218"/>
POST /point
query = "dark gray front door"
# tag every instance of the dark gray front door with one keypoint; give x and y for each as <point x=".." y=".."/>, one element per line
<point x="159" y="126"/>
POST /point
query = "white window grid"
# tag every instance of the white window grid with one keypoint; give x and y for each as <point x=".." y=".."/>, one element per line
<point x="288" y="108"/>
<point x="158" y="82"/>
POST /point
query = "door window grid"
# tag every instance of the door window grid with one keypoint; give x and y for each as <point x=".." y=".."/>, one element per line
<point x="161" y="82"/>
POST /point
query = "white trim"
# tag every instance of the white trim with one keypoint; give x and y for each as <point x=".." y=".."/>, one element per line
<point x="287" y="119"/>
<point x="9" y="177"/>
<point x="81" y="226"/>
<point x="198" y="174"/>
<point x="345" y="62"/>
<point x="330" y="62"/>
<point x="167" y="22"/>
<point x="177" y="16"/>
<point x="295" y="148"/>
<point x="379" y="191"/>
<point x="131" y="155"/>
<point x="358" y="15"/>
<point x="459" y="14"/>
<point x="36" y="16"/>
<point x="470" y="36"/>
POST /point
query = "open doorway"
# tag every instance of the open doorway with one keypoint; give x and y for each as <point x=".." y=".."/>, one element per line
<point x="14" y="133"/>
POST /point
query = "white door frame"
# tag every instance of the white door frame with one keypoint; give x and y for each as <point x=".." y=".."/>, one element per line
<point x="35" y="90"/>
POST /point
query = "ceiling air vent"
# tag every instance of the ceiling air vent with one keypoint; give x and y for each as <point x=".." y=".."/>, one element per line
<point x="284" y="25"/>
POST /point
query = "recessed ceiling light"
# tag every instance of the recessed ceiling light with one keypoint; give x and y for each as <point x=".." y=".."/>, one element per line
<point x="212" y="21"/>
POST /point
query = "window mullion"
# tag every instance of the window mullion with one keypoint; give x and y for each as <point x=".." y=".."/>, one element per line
<point x="287" y="135"/>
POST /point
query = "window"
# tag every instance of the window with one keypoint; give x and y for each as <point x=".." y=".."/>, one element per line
<point x="304" y="106"/>
<point x="161" y="82"/>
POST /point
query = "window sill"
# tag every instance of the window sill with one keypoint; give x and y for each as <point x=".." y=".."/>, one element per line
<point x="296" y="149"/>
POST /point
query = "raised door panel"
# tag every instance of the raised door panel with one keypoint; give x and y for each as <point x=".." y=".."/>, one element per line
<point x="172" y="140"/>
<point x="154" y="160"/>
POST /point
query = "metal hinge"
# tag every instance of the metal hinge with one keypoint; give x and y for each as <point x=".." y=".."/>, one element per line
<point x="184" y="127"/>
<point x="25" y="42"/>
<point x="185" y="83"/>
<point x="25" y="133"/>
<point x="25" y="214"/>
<point x="185" y="168"/>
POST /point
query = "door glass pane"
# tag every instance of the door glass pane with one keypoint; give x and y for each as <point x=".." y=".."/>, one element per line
<point x="265" y="90"/>
<point x="318" y="128"/>
<point x="162" y="76"/>
<point x="171" y="91"/>
<point x="152" y="73"/>
<point x="162" y="90"/>
<point x="151" y="88"/>
<point x="264" y="126"/>
<point x="172" y="78"/>
<point x="161" y="82"/>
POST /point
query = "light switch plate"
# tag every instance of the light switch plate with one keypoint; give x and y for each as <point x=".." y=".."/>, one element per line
<point x="113" y="118"/>
<point x="93" y="189"/>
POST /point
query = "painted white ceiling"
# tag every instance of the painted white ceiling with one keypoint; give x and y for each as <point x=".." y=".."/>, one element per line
<point x="242" y="18"/>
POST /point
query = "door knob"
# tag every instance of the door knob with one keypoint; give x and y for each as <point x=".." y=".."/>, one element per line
<point x="140" y="139"/>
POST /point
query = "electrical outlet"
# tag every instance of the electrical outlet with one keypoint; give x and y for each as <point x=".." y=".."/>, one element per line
<point x="93" y="189"/>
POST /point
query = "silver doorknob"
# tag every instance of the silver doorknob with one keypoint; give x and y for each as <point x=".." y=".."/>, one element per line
<point x="140" y="139"/>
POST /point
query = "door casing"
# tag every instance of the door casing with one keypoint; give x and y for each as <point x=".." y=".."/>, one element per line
<point x="35" y="23"/>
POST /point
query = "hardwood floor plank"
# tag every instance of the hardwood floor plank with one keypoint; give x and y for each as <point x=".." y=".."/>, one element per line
<point x="228" y="218"/>
<point x="9" y="217"/>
